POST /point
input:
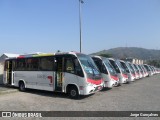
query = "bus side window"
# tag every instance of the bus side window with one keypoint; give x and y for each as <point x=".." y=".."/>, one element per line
<point x="78" y="69"/>
<point x="72" y="66"/>
<point x="13" y="65"/>
<point x="35" y="64"/>
<point x="46" y="64"/>
<point x="115" y="67"/>
<point x="20" y="65"/>
<point x="69" y="67"/>
<point x="98" y="63"/>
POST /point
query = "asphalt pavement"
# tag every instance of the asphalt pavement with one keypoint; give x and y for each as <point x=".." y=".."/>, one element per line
<point x="141" y="95"/>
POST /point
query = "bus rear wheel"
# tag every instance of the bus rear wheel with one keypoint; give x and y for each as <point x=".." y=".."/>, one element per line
<point x="73" y="93"/>
<point x="22" y="87"/>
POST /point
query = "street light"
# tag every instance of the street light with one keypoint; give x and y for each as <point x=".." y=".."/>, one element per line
<point x="80" y="22"/>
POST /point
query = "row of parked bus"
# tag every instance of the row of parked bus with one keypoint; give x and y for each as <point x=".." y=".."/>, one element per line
<point x="116" y="72"/>
<point x="70" y="72"/>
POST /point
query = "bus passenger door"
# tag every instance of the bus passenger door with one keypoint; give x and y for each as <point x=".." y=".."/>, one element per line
<point x="8" y="66"/>
<point x="59" y="74"/>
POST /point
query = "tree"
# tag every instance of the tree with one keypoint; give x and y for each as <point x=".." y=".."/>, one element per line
<point x="106" y="55"/>
<point x="155" y="63"/>
<point x="58" y="51"/>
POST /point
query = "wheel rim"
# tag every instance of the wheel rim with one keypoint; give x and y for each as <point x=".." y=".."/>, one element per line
<point x="73" y="93"/>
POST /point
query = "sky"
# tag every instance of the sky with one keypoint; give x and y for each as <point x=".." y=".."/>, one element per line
<point x="28" y="26"/>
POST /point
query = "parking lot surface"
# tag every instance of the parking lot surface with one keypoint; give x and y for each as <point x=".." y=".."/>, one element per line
<point x="141" y="95"/>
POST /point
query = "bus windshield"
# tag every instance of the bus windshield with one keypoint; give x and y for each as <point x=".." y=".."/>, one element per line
<point x="147" y="68"/>
<point x="136" y="68"/>
<point x="89" y="66"/>
<point x="109" y="66"/>
<point x="121" y="67"/>
<point x="125" y="67"/>
<point x="131" y="68"/>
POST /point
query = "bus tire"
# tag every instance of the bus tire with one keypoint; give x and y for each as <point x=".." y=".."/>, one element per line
<point x="22" y="86"/>
<point x="73" y="92"/>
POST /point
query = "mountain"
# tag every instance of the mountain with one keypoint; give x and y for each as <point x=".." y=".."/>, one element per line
<point x="132" y="52"/>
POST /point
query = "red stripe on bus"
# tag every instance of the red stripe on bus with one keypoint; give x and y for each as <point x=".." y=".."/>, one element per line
<point x="20" y="57"/>
<point x="114" y="77"/>
<point x="50" y="78"/>
<point x="134" y="75"/>
<point x="97" y="82"/>
<point x="124" y="75"/>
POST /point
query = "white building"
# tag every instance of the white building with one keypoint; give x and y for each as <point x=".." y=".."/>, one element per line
<point x="2" y="59"/>
<point x="134" y="60"/>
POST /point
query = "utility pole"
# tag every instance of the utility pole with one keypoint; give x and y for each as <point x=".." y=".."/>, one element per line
<point x="80" y="24"/>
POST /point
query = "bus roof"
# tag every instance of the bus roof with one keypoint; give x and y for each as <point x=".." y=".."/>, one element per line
<point x="100" y="57"/>
<point x="44" y="54"/>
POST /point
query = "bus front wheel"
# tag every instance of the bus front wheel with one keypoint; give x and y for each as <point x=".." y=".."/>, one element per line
<point x="73" y="93"/>
<point x="22" y="86"/>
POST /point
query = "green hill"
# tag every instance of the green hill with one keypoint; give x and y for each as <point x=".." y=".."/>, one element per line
<point x="133" y="52"/>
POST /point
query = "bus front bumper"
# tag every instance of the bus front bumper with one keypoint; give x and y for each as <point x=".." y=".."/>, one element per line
<point x="90" y="89"/>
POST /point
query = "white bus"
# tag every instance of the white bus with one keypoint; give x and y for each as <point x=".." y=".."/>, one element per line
<point x="121" y="72"/>
<point x="107" y="70"/>
<point x="72" y="73"/>
<point x="130" y="71"/>
<point x="149" y="70"/>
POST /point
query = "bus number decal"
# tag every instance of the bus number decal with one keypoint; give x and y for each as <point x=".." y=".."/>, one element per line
<point x="50" y="78"/>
